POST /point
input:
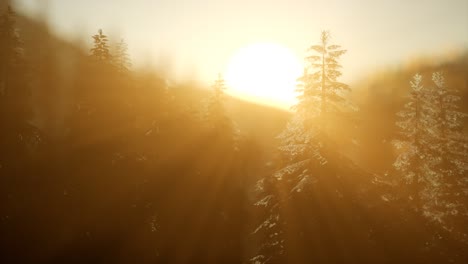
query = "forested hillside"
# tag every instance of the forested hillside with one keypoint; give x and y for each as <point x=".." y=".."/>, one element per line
<point x="103" y="163"/>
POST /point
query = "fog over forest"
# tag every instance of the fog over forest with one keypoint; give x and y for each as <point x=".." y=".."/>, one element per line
<point x="107" y="160"/>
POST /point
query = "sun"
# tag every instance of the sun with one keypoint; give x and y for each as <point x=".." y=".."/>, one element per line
<point x="265" y="72"/>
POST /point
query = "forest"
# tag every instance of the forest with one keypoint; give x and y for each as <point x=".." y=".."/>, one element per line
<point x="101" y="162"/>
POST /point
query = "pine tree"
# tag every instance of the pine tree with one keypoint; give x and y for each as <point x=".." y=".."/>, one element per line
<point x="451" y="147"/>
<point x="121" y="58"/>
<point x="270" y="231"/>
<point x="432" y="155"/>
<point x="123" y="81"/>
<point x="304" y="142"/>
<point x="100" y="50"/>
<point x="452" y="142"/>
<point x="416" y="161"/>
<point x="215" y="111"/>
<point x="321" y="98"/>
<point x="99" y="99"/>
<point x="14" y="90"/>
<point x="321" y="95"/>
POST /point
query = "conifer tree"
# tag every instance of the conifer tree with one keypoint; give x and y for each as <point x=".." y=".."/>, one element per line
<point x="432" y="154"/>
<point x="11" y="51"/>
<point x="98" y="98"/>
<point x="123" y="80"/>
<point x="14" y="90"/>
<point x="17" y="136"/>
<point x="215" y="111"/>
<point x="100" y="50"/>
<point x="270" y="231"/>
<point x="321" y="95"/>
<point x="416" y="161"/>
<point x="303" y="141"/>
<point x="449" y="124"/>
<point x="121" y="58"/>
<point x="448" y="196"/>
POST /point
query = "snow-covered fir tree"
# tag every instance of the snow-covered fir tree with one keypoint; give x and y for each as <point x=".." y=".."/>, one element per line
<point x="432" y="150"/>
<point x="449" y="196"/>
<point x="432" y="155"/>
<point x="321" y="97"/>
<point x="416" y="161"/>
<point x="452" y="143"/>
<point x="270" y="231"/>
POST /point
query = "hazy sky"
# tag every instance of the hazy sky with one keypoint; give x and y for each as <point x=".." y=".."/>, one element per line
<point x="199" y="37"/>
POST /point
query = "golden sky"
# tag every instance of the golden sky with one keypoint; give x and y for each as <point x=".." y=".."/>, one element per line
<point x="198" y="38"/>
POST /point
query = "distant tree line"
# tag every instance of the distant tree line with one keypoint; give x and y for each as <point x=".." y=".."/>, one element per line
<point x="138" y="173"/>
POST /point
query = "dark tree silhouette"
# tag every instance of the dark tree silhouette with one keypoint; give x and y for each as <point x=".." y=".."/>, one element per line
<point x="14" y="90"/>
<point x="100" y="50"/>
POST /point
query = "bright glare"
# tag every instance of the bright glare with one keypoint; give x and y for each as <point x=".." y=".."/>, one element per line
<point x="264" y="72"/>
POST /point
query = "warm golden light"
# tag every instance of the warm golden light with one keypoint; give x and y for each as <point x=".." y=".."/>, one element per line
<point x="265" y="72"/>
